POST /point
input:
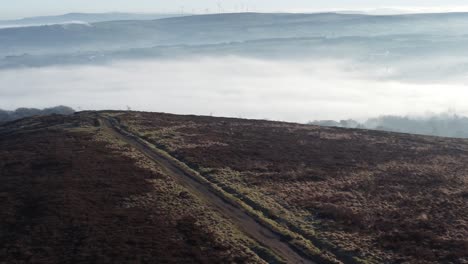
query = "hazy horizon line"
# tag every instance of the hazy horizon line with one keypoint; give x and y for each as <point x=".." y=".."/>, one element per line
<point x="366" y="11"/>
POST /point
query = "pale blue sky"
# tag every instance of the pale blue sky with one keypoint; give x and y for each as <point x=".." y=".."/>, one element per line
<point x="22" y="8"/>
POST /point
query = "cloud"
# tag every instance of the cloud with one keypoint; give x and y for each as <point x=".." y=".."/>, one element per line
<point x="229" y="86"/>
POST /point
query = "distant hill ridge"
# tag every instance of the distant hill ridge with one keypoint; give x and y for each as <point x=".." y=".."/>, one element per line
<point x="442" y="125"/>
<point x="83" y="17"/>
<point x="6" y="116"/>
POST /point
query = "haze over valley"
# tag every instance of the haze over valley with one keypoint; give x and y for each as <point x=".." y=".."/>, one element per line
<point x="292" y="67"/>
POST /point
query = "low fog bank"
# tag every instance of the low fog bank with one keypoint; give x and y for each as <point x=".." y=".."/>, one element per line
<point x="443" y="125"/>
<point x="6" y="116"/>
<point x="441" y="60"/>
<point x="297" y="91"/>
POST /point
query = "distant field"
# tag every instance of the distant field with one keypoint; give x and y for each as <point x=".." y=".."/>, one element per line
<point x="383" y="197"/>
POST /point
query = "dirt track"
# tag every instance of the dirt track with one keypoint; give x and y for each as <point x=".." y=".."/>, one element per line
<point x="241" y="219"/>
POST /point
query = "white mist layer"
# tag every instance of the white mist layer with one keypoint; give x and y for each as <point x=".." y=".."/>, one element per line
<point x="236" y="87"/>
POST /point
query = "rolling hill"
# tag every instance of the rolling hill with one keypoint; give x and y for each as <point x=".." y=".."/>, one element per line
<point x="221" y="28"/>
<point x="80" y="18"/>
<point x="112" y="186"/>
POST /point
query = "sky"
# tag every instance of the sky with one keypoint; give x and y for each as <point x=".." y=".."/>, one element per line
<point x="26" y="8"/>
